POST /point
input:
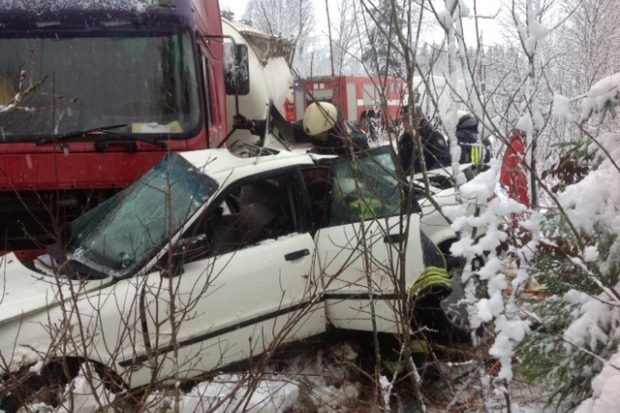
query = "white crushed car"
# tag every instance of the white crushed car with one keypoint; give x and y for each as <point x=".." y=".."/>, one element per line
<point x="214" y="257"/>
<point x="442" y="190"/>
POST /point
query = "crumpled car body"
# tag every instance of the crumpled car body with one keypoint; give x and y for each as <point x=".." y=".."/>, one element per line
<point x="443" y="191"/>
<point x="213" y="257"/>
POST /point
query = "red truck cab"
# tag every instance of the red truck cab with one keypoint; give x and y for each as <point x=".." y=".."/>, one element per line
<point x="92" y="95"/>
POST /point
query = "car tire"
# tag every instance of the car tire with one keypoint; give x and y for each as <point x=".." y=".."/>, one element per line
<point x="27" y="387"/>
<point x="439" y="326"/>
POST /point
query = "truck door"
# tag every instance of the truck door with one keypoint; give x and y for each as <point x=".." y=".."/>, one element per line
<point x="360" y="241"/>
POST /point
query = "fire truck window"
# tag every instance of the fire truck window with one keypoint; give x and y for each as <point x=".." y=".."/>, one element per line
<point x="209" y="115"/>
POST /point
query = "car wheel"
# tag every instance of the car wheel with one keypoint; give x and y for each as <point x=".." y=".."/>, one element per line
<point x="441" y="326"/>
<point x="27" y="387"/>
<point x="19" y="391"/>
<point x="453" y="305"/>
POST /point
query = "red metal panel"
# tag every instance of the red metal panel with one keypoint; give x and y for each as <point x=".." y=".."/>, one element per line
<point x="79" y="166"/>
<point x="210" y="23"/>
<point x="50" y="171"/>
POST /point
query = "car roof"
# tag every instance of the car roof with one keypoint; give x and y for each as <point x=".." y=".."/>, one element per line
<point x="223" y="164"/>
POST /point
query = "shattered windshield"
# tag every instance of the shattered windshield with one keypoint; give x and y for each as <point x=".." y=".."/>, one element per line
<point x="147" y="83"/>
<point x="119" y="236"/>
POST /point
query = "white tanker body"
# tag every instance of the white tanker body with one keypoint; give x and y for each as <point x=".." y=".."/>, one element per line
<point x="270" y="76"/>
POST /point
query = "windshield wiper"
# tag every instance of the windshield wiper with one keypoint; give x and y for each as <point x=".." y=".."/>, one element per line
<point x="79" y="134"/>
<point x="101" y="134"/>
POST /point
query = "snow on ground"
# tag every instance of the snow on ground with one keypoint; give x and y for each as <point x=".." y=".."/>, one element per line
<point x="323" y="378"/>
<point x="606" y="397"/>
<point x="316" y="380"/>
<point x="525" y="398"/>
<point x="230" y="393"/>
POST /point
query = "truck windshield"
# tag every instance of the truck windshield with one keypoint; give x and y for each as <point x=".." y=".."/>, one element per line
<point x="146" y="82"/>
<point x="120" y="235"/>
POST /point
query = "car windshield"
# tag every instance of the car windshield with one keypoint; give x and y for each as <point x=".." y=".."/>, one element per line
<point x="145" y="83"/>
<point x="120" y="235"/>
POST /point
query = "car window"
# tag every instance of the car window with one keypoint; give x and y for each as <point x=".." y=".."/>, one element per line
<point x="246" y="214"/>
<point x="364" y="188"/>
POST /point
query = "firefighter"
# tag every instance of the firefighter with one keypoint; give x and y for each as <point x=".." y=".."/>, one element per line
<point x="323" y="124"/>
<point x="435" y="147"/>
<point x="472" y="151"/>
<point x="513" y="175"/>
<point x="368" y="124"/>
<point x="355" y="200"/>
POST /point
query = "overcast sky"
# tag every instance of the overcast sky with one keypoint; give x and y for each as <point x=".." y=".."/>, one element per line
<point x="490" y="27"/>
<point x="237" y="6"/>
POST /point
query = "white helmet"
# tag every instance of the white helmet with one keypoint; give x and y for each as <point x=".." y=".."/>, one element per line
<point x="319" y="117"/>
<point x="461" y="114"/>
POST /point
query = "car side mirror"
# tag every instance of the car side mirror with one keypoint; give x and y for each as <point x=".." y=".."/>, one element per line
<point x="186" y="249"/>
<point x="173" y="267"/>
<point x="236" y="69"/>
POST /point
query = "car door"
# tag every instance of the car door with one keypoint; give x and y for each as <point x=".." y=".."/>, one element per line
<point x="246" y="283"/>
<point x="368" y="254"/>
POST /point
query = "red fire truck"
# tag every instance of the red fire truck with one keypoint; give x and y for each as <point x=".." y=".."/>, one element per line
<point x="354" y="95"/>
<point x="94" y="93"/>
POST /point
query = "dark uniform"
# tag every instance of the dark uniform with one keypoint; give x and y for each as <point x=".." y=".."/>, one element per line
<point x="467" y="138"/>
<point x="435" y="147"/>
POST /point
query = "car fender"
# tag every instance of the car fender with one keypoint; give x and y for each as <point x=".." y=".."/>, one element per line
<point x="442" y="237"/>
<point x="70" y="310"/>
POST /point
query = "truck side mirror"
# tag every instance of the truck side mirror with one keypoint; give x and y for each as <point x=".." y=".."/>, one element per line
<point x="236" y="69"/>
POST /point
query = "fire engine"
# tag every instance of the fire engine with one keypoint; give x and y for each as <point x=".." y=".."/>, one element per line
<point x="354" y="95"/>
<point x="94" y="93"/>
<point x="360" y="97"/>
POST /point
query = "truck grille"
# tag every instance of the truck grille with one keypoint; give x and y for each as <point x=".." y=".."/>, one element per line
<point x="33" y="220"/>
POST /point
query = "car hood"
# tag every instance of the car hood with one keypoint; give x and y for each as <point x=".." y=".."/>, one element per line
<point x="24" y="292"/>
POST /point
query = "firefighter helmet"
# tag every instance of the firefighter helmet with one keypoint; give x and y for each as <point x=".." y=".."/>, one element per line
<point x="319" y="117"/>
